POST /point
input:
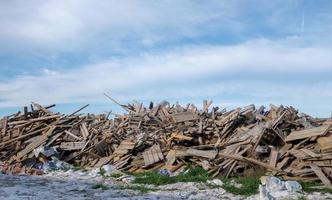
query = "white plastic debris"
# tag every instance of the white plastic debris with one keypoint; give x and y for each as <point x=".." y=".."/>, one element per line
<point x="274" y="184"/>
<point x="293" y="186"/>
<point x="46" y="151"/>
<point x="277" y="189"/>
<point x="55" y="164"/>
<point x="108" y="169"/>
<point x="264" y="194"/>
<point x="94" y="172"/>
<point x="216" y="182"/>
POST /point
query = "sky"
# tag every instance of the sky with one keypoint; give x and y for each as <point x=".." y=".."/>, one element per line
<point x="234" y="52"/>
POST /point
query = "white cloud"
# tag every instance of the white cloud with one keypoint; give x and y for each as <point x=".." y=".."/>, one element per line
<point x="72" y="25"/>
<point x="78" y="25"/>
<point x="98" y="28"/>
<point x="183" y="72"/>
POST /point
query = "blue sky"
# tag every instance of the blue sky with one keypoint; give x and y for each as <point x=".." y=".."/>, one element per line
<point x="233" y="52"/>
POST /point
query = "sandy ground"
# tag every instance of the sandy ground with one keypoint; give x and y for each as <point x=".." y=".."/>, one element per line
<point x="79" y="185"/>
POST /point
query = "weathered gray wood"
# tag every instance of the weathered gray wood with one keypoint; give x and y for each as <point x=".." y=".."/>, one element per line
<point x="39" y="140"/>
<point x="69" y="146"/>
<point x="317" y="131"/>
<point x="318" y="171"/>
<point x="34" y="120"/>
<point x="183" y="117"/>
<point x="210" y="154"/>
<point x="84" y="131"/>
<point x="73" y="135"/>
<point x="274" y="157"/>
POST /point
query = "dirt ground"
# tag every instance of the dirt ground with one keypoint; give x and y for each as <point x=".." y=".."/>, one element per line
<point x="82" y="185"/>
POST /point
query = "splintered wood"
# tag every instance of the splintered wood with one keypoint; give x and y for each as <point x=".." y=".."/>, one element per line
<point x="165" y="136"/>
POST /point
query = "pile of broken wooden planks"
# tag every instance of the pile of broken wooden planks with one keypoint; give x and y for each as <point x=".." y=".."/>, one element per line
<point x="238" y="142"/>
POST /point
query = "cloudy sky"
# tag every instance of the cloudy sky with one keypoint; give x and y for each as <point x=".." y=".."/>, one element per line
<point x="234" y="52"/>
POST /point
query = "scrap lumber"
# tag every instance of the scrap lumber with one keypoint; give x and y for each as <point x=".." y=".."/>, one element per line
<point x="202" y="153"/>
<point x="153" y="155"/>
<point x="183" y="116"/>
<point x="321" y="175"/>
<point x="274" y="157"/>
<point x="69" y="146"/>
<point x="325" y="142"/>
<point x="302" y="134"/>
<point x="38" y="140"/>
<point x="166" y="136"/>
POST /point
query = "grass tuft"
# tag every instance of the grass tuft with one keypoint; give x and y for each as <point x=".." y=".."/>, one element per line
<point x="197" y="174"/>
<point x="249" y="185"/>
<point x="314" y="187"/>
<point x="302" y="198"/>
<point x="116" y="175"/>
<point x="102" y="172"/>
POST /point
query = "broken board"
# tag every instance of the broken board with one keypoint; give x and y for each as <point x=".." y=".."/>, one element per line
<point x="317" y="131"/>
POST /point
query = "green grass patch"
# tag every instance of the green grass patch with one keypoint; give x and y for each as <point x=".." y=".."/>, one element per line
<point x="249" y="185"/>
<point x="140" y="188"/>
<point x="116" y="175"/>
<point x="102" y="172"/>
<point x="196" y="174"/>
<point x="314" y="187"/>
<point x="100" y="186"/>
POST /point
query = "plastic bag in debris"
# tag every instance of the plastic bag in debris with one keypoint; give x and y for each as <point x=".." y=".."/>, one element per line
<point x="109" y="169"/>
<point x="293" y="186"/>
<point x="164" y="172"/>
<point x="264" y="194"/>
<point x="55" y="164"/>
<point x="45" y="150"/>
<point x="274" y="184"/>
<point x="216" y="182"/>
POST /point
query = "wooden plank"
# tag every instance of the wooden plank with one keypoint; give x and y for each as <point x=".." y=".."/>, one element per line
<point x="251" y="160"/>
<point x="152" y="155"/>
<point x="23" y="136"/>
<point x="103" y="161"/>
<point x="34" y="120"/>
<point x="4" y="126"/>
<point x="84" y="131"/>
<point x="317" y="131"/>
<point x="178" y="136"/>
<point x="39" y="140"/>
<point x="318" y="171"/>
<point x="68" y="146"/>
<point x="171" y="158"/>
<point x="310" y="153"/>
<point x="274" y="157"/>
<point x="183" y="117"/>
<point x="206" y="105"/>
<point x="210" y="154"/>
<point x="40" y="107"/>
<point x="124" y="147"/>
<point x="53" y="138"/>
<point x="72" y="135"/>
<point x="325" y="142"/>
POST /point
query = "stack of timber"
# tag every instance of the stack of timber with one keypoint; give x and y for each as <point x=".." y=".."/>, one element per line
<point x="238" y="142"/>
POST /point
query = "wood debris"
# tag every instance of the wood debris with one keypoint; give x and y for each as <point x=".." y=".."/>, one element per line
<point x="228" y="143"/>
